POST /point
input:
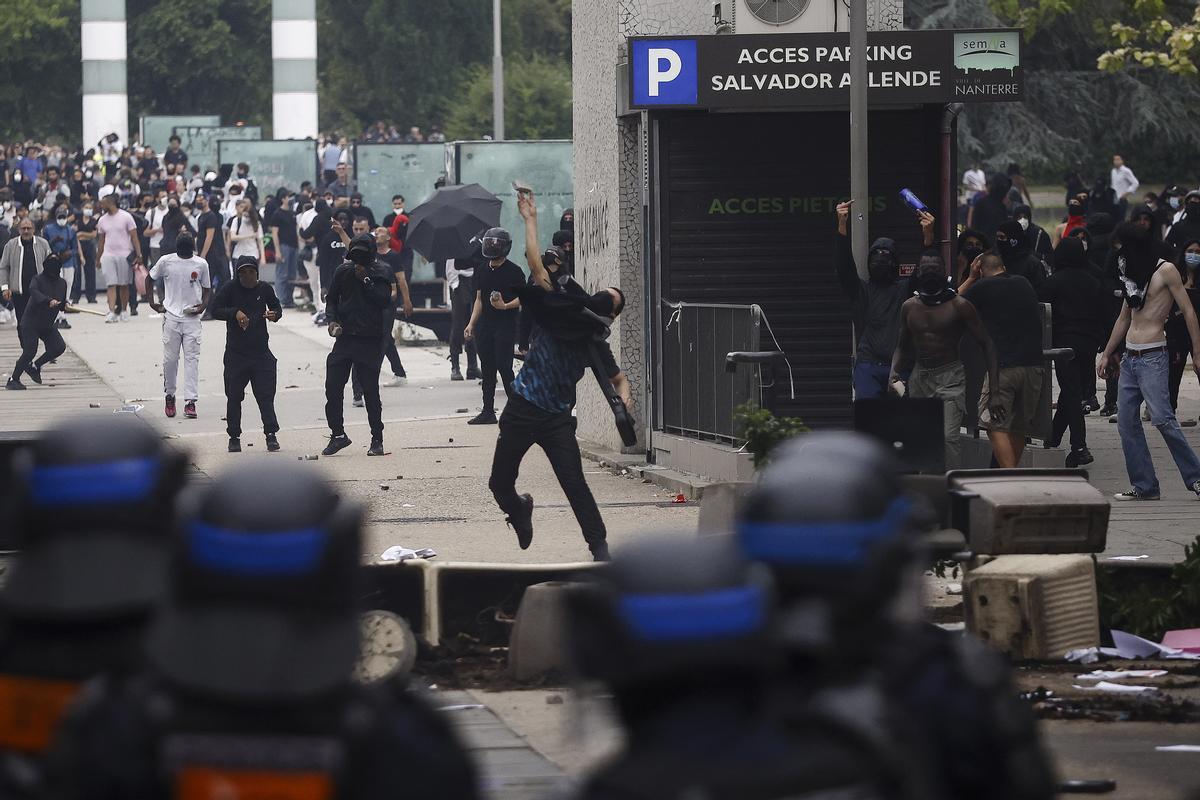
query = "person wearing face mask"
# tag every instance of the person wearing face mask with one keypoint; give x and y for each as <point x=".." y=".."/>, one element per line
<point x="1036" y="239"/>
<point x="154" y="226"/>
<point x="987" y="214"/>
<point x="552" y="260"/>
<point x="85" y="232"/>
<point x="875" y="303"/>
<point x="931" y="326"/>
<point x="565" y="241"/>
<point x="1188" y="225"/>
<point x="63" y="243"/>
<point x="1077" y="211"/>
<point x="1013" y="248"/>
<point x="175" y="224"/>
<point x="45" y="298"/>
<point x="186" y="288"/>
<point x="971" y="245"/>
<point x="539" y="408"/>
<point x="247" y="305"/>
<point x="1178" y="345"/>
<point x="1077" y="303"/>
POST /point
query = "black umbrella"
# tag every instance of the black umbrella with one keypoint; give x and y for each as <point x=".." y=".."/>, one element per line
<point x="443" y="226"/>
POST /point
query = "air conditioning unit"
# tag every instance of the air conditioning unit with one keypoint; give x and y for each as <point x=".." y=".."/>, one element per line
<point x="787" y="16"/>
<point x="1033" y="607"/>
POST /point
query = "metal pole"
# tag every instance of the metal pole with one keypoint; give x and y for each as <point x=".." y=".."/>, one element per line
<point x="497" y="76"/>
<point x="858" y="134"/>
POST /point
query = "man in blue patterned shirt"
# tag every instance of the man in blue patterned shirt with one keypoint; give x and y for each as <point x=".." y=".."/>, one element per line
<point x="543" y="397"/>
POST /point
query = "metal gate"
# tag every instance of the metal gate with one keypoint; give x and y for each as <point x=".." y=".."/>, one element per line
<point x="698" y="395"/>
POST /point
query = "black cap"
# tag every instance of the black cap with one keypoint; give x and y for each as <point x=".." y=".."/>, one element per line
<point x="264" y="599"/>
<point x="94" y="511"/>
<point x="362" y="249"/>
<point x="246" y="262"/>
<point x="668" y="607"/>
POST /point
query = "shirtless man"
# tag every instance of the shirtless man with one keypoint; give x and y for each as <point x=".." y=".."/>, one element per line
<point x="1151" y="285"/>
<point x="931" y="324"/>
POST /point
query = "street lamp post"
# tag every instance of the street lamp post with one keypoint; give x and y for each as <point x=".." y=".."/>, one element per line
<point x="497" y="76"/>
<point x="858" y="134"/>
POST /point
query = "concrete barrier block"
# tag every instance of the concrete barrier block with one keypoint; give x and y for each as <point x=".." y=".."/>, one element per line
<point x="538" y="644"/>
<point x="718" y="505"/>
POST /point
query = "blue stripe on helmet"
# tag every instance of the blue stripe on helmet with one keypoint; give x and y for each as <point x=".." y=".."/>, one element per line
<point x="79" y="484"/>
<point x="678" y="617"/>
<point x="286" y="553"/>
<point x="821" y="543"/>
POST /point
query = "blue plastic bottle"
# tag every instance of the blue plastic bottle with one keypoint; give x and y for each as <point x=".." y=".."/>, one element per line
<point x="912" y="201"/>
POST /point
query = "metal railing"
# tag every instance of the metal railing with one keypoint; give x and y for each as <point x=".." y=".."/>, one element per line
<point x="698" y="394"/>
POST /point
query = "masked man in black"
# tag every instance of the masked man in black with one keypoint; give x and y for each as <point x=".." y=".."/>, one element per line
<point x="47" y="296"/>
<point x="358" y="295"/>
<point x="1014" y="249"/>
<point x="875" y="303"/>
<point x="931" y="326"/>
<point x="543" y="395"/>
<point x="247" y="304"/>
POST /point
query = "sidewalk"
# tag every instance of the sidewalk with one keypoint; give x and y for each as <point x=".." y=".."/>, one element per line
<point x="442" y="501"/>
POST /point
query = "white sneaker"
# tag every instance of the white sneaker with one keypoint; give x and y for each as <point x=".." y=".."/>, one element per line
<point x="125" y="316"/>
<point x="396" y="381"/>
<point x="112" y="317"/>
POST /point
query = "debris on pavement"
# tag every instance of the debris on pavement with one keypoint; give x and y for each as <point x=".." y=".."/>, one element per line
<point x="1126" y="558"/>
<point x="307" y="458"/>
<point x="463" y="707"/>
<point x="399" y="553"/>
<point x="384" y="487"/>
<point x="1129" y="646"/>
<point x="1108" y="686"/>
<point x="460" y="411"/>
<point x="1187" y="640"/>
<point x="954" y="589"/>
<point x="93" y="405"/>
<point x="129" y="408"/>
<point x="1178" y="748"/>
<point x="554" y="700"/>
<point x="1120" y="674"/>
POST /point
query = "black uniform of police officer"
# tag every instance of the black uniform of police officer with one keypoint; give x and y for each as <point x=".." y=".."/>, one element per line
<point x="247" y="304"/>
<point x="677" y="630"/>
<point x="248" y="690"/>
<point x="830" y="518"/>
<point x="358" y="295"/>
<point x="91" y="515"/>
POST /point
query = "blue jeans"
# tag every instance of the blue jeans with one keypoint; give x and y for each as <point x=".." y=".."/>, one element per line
<point x="1145" y="378"/>
<point x="870" y="379"/>
<point x="285" y="273"/>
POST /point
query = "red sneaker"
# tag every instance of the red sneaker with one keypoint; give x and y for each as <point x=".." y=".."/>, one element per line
<point x="170" y="409"/>
<point x="189" y="409"/>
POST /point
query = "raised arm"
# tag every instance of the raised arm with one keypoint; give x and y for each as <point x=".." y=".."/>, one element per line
<point x="843" y="257"/>
<point x="533" y="256"/>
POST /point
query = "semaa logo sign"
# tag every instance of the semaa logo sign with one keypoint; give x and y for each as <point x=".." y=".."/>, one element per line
<point x="664" y="72"/>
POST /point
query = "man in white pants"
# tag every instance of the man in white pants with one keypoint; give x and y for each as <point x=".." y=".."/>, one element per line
<point x="186" y="287"/>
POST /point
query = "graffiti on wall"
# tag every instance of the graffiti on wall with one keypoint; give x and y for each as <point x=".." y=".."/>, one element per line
<point x="592" y="229"/>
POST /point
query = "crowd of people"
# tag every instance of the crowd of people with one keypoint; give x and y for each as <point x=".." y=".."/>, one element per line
<point x="167" y="640"/>
<point x="1121" y="281"/>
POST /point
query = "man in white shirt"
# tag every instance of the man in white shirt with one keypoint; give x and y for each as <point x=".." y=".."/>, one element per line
<point x="1124" y="183"/>
<point x="154" y="226"/>
<point x="186" y="287"/>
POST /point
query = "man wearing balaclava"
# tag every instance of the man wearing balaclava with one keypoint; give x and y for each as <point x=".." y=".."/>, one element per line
<point x="1036" y="238"/>
<point x="1013" y="249"/>
<point x="538" y="411"/>
<point x="1188" y="226"/>
<point x="186" y="286"/>
<point x="875" y="303"/>
<point x="46" y="296"/>
<point x="931" y="326"/>
<point x="1151" y="286"/>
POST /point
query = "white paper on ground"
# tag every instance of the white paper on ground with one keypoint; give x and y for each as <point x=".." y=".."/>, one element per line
<point x="398" y="553"/>
<point x="1120" y="674"/>
<point x="1125" y="558"/>
<point x="1118" y="688"/>
<point x="1179" y="748"/>
<point x="1090" y="655"/>
<point x="1130" y="646"/>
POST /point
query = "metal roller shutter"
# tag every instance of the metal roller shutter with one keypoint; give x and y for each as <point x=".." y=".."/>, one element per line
<point x="747" y="216"/>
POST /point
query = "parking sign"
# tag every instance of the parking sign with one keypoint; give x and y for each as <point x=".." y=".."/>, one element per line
<point x="664" y="72"/>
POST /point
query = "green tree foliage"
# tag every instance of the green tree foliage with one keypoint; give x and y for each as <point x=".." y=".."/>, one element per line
<point x="1155" y="35"/>
<point x="1074" y="115"/>
<point x="400" y="61"/>
<point x="39" y="71"/>
<point x="537" y="96"/>
<point x="200" y="57"/>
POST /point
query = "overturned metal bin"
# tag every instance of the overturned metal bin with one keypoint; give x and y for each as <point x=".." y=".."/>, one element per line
<point x="1028" y="511"/>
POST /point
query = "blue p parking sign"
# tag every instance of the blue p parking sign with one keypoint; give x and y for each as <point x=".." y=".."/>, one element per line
<point x="664" y="72"/>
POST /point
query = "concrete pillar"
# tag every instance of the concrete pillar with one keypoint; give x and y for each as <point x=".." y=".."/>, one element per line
<point x="105" y="102"/>
<point x="294" y="64"/>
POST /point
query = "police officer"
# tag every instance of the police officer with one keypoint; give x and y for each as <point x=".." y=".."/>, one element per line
<point x="678" y="631"/>
<point x="248" y="689"/>
<point x="93" y="513"/>
<point x="358" y="295"/>
<point x="247" y="305"/>
<point x="831" y="519"/>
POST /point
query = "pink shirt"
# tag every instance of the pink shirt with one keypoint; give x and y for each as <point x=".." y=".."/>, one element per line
<point x="116" y="228"/>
